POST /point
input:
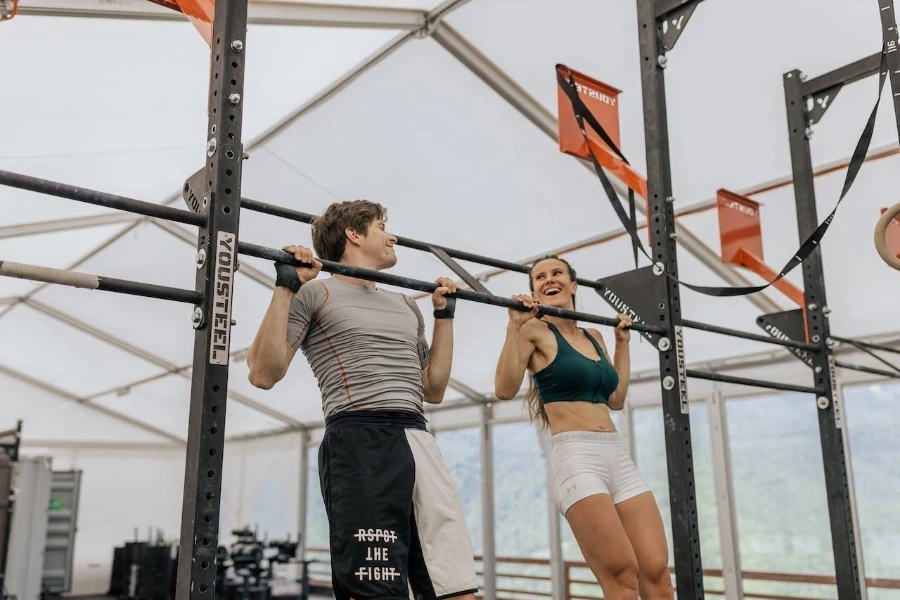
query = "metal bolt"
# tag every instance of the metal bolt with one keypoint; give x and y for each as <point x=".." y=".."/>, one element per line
<point x="808" y="132"/>
<point x="659" y="268"/>
<point x="813" y="306"/>
<point x="818" y="370"/>
<point x="815" y="338"/>
<point x="200" y="258"/>
<point x="670" y="199"/>
<point x="237" y="45"/>
<point x="673" y="236"/>
<point x="662" y="60"/>
<point x="205" y="201"/>
<point x="803" y="76"/>
<point x="197" y="318"/>
<point x="831" y="343"/>
<point x="664" y="344"/>
<point x="234" y="98"/>
<point x="662" y="306"/>
<point x="246" y="155"/>
<point x="822" y="402"/>
<point x="668" y="382"/>
<point x="233" y="322"/>
<point x="826" y="311"/>
<point x="211" y="147"/>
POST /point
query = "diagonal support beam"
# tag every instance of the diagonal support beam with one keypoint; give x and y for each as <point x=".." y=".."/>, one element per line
<point x="296" y="14"/>
<point x="39" y="227"/>
<point x="237" y="355"/>
<point x="469" y="392"/>
<point x="532" y="110"/>
<point x="96" y="408"/>
<point x="149" y="357"/>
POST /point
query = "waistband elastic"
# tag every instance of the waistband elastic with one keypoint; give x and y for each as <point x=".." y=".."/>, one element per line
<point x="377" y="418"/>
<point x="587" y="436"/>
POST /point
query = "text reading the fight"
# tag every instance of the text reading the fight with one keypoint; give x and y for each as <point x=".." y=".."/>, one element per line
<point x="376" y="554"/>
<point x="221" y="309"/>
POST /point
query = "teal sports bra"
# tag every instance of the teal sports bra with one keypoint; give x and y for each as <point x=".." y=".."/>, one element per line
<point x="573" y="376"/>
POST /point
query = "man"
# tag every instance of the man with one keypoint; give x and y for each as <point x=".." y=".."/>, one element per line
<point x="396" y="524"/>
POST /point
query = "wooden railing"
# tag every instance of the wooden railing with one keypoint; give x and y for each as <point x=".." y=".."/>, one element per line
<point x="529" y="579"/>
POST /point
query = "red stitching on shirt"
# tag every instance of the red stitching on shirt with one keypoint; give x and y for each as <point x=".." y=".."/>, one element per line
<point x="340" y="365"/>
<point x="303" y="332"/>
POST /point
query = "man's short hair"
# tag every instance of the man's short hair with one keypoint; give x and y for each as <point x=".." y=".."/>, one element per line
<point x="328" y="231"/>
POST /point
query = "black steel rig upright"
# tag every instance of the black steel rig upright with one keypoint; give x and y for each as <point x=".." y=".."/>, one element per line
<point x="216" y="260"/>
<point x="659" y="24"/>
<point x="819" y="93"/>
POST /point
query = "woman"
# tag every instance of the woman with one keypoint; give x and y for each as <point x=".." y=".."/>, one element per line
<point x="573" y="387"/>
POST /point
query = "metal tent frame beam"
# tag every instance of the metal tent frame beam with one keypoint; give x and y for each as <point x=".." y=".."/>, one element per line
<point x="60" y="393"/>
<point x="296" y="14"/>
<point x="169" y="367"/>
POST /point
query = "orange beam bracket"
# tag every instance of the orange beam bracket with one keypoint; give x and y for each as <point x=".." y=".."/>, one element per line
<point x="199" y="12"/>
<point x="603" y="102"/>
<point x="740" y="236"/>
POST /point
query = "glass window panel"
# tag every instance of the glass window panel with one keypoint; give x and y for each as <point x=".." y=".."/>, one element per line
<point x="779" y="486"/>
<point x="871" y="423"/>
<point x="520" y="501"/>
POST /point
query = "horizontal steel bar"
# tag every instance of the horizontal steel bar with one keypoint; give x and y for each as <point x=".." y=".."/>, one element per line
<point x="302" y="217"/>
<point x="95" y="282"/>
<point x="664" y="7"/>
<point x="787" y="387"/>
<point x="71" y="192"/>
<point x="864" y="369"/>
<point x="868" y="345"/>
<point x="427" y="286"/>
<point x="847" y="74"/>
<point x="749" y="336"/>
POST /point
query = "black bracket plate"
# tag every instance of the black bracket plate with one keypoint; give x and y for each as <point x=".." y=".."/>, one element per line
<point x="820" y="102"/>
<point x="787" y="325"/>
<point x="635" y="294"/>
<point x="673" y="24"/>
<point x="196" y="192"/>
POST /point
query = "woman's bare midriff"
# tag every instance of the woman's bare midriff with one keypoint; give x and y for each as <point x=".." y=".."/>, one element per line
<point x="578" y="416"/>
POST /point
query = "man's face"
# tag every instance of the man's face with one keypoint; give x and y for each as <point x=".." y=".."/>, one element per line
<point x="378" y="246"/>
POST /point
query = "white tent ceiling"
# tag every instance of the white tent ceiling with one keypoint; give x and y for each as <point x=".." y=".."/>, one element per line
<point x="119" y="105"/>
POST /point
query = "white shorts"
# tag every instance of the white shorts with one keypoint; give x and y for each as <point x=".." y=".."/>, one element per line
<point x="592" y="462"/>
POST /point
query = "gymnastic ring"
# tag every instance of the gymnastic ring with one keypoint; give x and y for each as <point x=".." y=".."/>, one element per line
<point x="881" y="237"/>
<point x="8" y="12"/>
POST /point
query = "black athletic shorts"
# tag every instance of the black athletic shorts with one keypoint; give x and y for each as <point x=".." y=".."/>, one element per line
<point x="396" y="524"/>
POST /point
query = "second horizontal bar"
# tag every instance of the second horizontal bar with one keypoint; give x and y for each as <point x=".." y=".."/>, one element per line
<point x="865" y="369"/>
<point x="88" y="196"/>
<point x="749" y="336"/>
<point x="787" y="387"/>
<point x="95" y="282"/>
<point x="429" y="287"/>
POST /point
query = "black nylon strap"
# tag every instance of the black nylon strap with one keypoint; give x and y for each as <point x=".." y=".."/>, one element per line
<point x="582" y="114"/>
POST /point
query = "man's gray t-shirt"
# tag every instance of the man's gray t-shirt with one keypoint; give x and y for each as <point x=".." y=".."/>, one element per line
<point x="366" y="347"/>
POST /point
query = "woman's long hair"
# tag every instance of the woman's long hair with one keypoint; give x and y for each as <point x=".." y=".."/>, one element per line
<point x="536" y="411"/>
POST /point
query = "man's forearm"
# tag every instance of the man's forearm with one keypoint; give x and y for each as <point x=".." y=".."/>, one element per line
<point x="441" y="361"/>
<point x="269" y="349"/>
